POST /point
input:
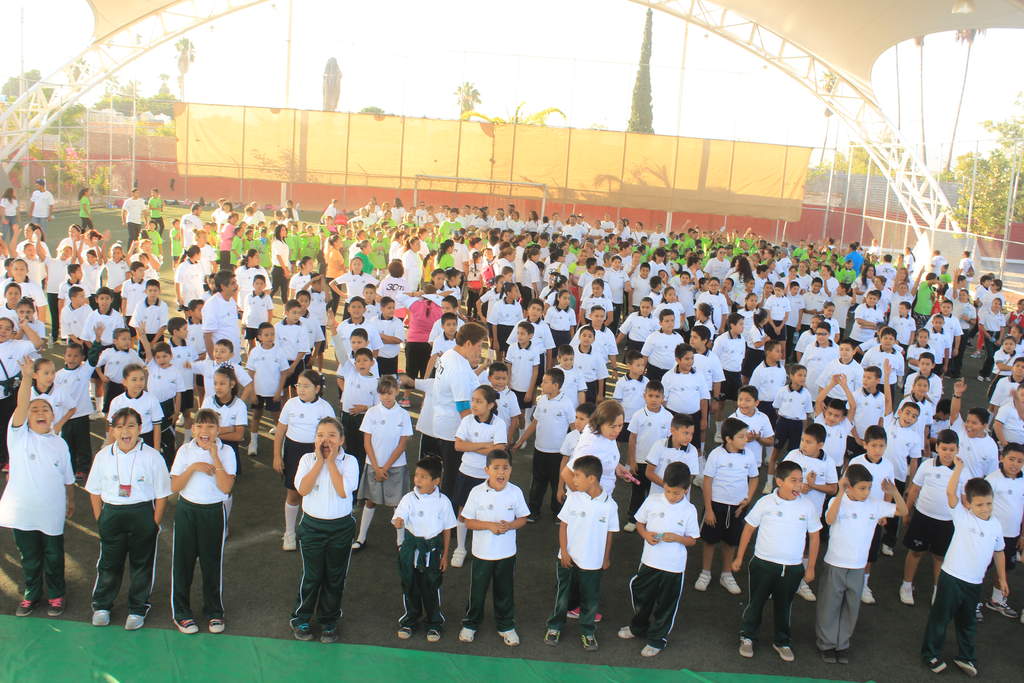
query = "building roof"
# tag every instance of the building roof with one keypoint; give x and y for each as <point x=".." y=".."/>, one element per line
<point x="848" y="34"/>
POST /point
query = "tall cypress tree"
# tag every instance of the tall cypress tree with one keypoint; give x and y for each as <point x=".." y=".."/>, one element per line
<point x="641" y="115"/>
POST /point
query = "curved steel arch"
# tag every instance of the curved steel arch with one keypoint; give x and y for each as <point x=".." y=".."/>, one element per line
<point x="36" y="109"/>
<point x="917" y="190"/>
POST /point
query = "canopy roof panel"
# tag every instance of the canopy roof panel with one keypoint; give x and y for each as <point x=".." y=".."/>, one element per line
<point x="848" y="34"/>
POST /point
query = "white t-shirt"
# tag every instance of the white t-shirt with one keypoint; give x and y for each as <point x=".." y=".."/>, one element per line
<point x="201" y="488"/>
<point x="588" y="522"/>
<point x="974" y="541"/>
<point x="850" y="535"/>
<point x="43" y="200"/>
<point x="133" y="208"/>
<point x="824" y="473"/>
<point x="660" y="516"/>
<point x="301" y="418"/>
<point x="553" y="416"/>
<point x="932" y="477"/>
<point x="730" y="473"/>
<point x="782" y="528"/>
<point x="323" y="502"/>
<point x="455" y="382"/>
<point x="486" y="504"/>
<point x="35" y="498"/>
<point x="386" y="427"/>
<point x="472" y="430"/>
<point x="267" y="366"/>
<point x="425" y="515"/>
<point x="1008" y="501"/>
<point x="662" y="455"/>
<point x="145" y="404"/>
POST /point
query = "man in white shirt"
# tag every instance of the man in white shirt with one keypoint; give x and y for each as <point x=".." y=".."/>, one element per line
<point x="451" y="392"/>
<point x="42" y="205"/>
<point x="190" y="223"/>
<point x="132" y="215"/>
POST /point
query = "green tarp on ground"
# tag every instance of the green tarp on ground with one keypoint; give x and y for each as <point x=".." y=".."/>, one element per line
<point x="53" y="650"/>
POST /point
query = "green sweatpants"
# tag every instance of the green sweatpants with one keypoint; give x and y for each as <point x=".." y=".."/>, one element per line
<point x="325" y="546"/>
<point x="419" y="567"/>
<point x="588" y="583"/>
<point x="41" y="556"/>
<point x="199" y="534"/>
<point x="655" y="595"/>
<point x="956" y="601"/>
<point x="778" y="582"/>
<point x="502" y="572"/>
<point x="126" y="532"/>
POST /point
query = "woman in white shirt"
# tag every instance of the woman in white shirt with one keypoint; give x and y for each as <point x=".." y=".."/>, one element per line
<point x="281" y="271"/>
<point x="9" y="215"/>
<point x="412" y="264"/>
<point x="327" y="479"/>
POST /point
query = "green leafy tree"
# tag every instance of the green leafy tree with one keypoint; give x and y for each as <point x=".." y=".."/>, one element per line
<point x="468" y="97"/>
<point x="11" y="89"/>
<point x="641" y="115"/>
<point x="376" y="111"/>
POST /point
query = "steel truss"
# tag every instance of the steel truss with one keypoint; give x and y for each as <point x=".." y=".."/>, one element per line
<point x="38" y="108"/>
<point x="917" y="190"/>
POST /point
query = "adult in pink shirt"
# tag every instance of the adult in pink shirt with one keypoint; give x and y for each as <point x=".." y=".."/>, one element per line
<point x="423" y="313"/>
<point x="225" y="235"/>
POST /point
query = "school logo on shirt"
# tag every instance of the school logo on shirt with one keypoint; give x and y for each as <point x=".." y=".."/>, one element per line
<point x="602" y="519"/>
<point x="420" y="513"/>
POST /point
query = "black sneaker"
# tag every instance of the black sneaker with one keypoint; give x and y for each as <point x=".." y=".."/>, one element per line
<point x="302" y="632"/>
<point x="25" y="608"/>
<point x="329" y="635"/>
<point x="969" y="668"/>
<point x="978" y="615"/>
<point x="828" y="656"/>
<point x="936" y="665"/>
<point x="589" y="643"/>
<point x="551" y="637"/>
<point x="843" y="656"/>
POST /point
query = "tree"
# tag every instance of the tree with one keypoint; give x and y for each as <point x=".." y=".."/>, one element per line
<point x="186" y="56"/>
<point x="641" y="115"/>
<point x="376" y="111"/>
<point x="468" y="97"/>
<point x="332" y="84"/>
<point x="164" y="92"/>
<point x="518" y="117"/>
<point x="12" y="88"/>
<point x="962" y="36"/>
<point x="989" y="177"/>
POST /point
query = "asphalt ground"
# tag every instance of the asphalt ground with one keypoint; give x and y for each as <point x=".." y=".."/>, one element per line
<point x="260" y="583"/>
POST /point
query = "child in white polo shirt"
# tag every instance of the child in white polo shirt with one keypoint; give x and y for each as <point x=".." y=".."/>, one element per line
<point x="589" y="518"/>
<point x="977" y="541"/>
<point x="931" y="526"/>
<point x="659" y="348"/>
<point x="881" y="470"/>
<point x="551" y="420"/>
<point x="386" y="429"/>
<point x="853" y="516"/>
<point x="524" y="359"/>
<point x="760" y="433"/>
<point x="730" y="479"/>
<point x="687" y="391"/>
<point x="111" y="364"/>
<point x="769" y="377"/>
<point x="38" y="496"/>
<point x="427" y="518"/>
<point x="678" y="447"/>
<point x="793" y="403"/>
<point x="1008" y="507"/>
<point x="784" y="522"/>
<point x="667" y="522"/>
<point x="493" y="511"/>
<point x="646" y="426"/>
<point x="836" y="416"/>
<point x="584" y="412"/>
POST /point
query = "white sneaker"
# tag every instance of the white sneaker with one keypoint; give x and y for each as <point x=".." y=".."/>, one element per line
<point x="768" y="486"/>
<point x="466" y="635"/>
<point x="907" y="595"/>
<point x="649" y="651"/>
<point x="134" y="622"/>
<point x="729" y="583"/>
<point x="180" y="421"/>
<point x="101" y="617"/>
<point x="887" y="550"/>
<point x="97" y="415"/>
<point x="867" y="597"/>
<point x="458" y="558"/>
<point x="288" y="542"/>
<point x="703" y="581"/>
<point x="626" y="633"/>
<point x="511" y="638"/>
<point x="805" y="592"/>
<point x="253" y="449"/>
<point x="629" y="527"/>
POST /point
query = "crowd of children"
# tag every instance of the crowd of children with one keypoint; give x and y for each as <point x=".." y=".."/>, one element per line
<point x="799" y="387"/>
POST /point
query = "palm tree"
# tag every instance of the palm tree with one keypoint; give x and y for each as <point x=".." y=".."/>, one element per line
<point x="966" y="35"/>
<point x="468" y="97"/>
<point x="186" y="55"/>
<point x="539" y="118"/>
<point x="919" y="41"/>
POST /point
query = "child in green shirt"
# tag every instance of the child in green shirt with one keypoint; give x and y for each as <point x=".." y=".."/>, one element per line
<point x="177" y="245"/>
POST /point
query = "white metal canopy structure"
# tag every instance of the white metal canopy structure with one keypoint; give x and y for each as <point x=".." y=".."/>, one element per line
<point x="828" y="46"/>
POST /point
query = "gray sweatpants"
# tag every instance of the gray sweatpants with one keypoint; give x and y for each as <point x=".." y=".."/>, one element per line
<point x="838" y="604"/>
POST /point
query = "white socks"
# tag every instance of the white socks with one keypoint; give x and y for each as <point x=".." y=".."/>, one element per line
<point x="997" y="596"/>
<point x="252" y="442"/>
<point x="291" y="514"/>
<point x="866" y="577"/>
<point x="188" y="436"/>
<point x="227" y="506"/>
<point x="364" y="523"/>
<point x="460" y="534"/>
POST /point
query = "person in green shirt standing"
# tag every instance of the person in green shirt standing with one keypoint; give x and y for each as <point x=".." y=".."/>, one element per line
<point x="84" y="209"/>
<point x="294" y="242"/>
<point x="156" y="210"/>
<point x="924" y="298"/>
<point x="176" y="240"/>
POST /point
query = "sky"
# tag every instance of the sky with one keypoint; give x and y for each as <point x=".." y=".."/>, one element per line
<point x="580" y="56"/>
